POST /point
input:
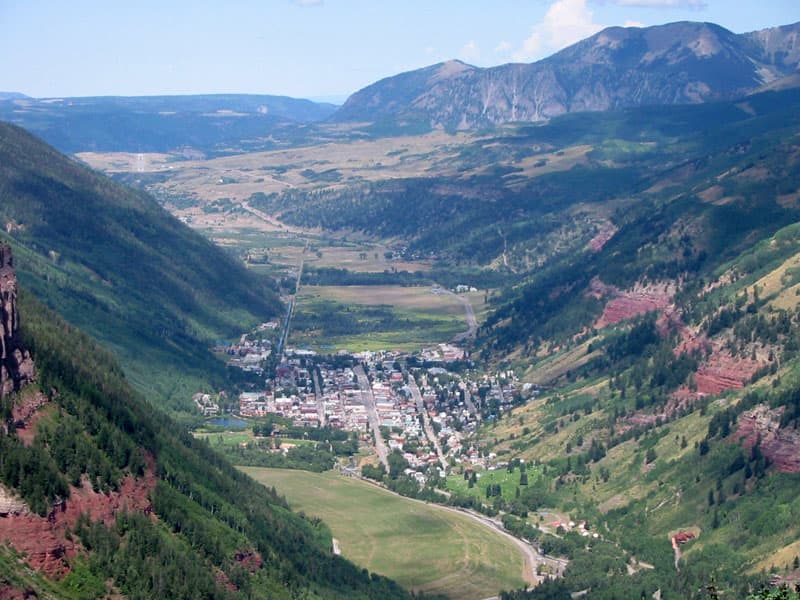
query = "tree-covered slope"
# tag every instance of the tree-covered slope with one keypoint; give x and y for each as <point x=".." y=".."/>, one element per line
<point x="100" y="494"/>
<point x="667" y="355"/>
<point x="116" y="264"/>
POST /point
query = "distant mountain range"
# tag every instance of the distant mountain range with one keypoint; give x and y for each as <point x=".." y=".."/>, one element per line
<point x="212" y="124"/>
<point x="677" y="63"/>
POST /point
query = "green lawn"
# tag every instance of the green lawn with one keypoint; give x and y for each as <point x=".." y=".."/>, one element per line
<point x="423" y="547"/>
<point x="226" y="438"/>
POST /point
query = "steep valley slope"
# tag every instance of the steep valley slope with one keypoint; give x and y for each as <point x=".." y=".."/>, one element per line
<point x="99" y="493"/>
<point x="116" y="264"/>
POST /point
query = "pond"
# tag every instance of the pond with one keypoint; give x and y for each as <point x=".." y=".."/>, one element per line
<point x="228" y="423"/>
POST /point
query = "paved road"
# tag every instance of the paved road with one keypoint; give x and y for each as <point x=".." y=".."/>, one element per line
<point x="469" y="315"/>
<point x="318" y="396"/>
<point x="470" y="404"/>
<point x="290" y="309"/>
<point x="270" y="220"/>
<point x="372" y="414"/>
<point x="426" y="422"/>
<point x="533" y="557"/>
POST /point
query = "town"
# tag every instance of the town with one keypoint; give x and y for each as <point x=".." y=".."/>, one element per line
<point x="423" y="405"/>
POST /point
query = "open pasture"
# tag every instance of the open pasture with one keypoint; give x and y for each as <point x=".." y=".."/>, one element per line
<point x="424" y="547"/>
<point x="375" y="317"/>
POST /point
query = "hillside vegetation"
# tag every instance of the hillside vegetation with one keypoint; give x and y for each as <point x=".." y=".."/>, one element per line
<point x="651" y="291"/>
<point x="117" y="265"/>
<point x="120" y="504"/>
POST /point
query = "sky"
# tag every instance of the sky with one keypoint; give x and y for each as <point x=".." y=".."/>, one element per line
<point x="321" y="49"/>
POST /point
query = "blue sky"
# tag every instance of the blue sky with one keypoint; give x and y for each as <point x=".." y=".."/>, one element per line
<point x="307" y="48"/>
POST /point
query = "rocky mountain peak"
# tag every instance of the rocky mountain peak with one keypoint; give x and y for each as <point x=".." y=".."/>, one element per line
<point x="619" y="67"/>
<point x="16" y="365"/>
<point x="451" y="68"/>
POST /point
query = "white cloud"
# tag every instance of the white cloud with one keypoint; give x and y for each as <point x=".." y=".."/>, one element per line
<point x="693" y="4"/>
<point x="470" y="51"/>
<point x="564" y="23"/>
<point x="503" y="47"/>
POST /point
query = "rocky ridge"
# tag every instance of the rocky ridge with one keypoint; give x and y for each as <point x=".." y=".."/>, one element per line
<point x="16" y="366"/>
<point x="46" y="541"/>
<point x="676" y="63"/>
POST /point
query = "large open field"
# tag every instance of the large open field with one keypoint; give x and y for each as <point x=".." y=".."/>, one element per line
<point x="373" y="317"/>
<point x="422" y="546"/>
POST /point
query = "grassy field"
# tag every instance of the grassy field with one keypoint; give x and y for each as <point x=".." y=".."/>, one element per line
<point x="409" y="298"/>
<point x="423" y="547"/>
<point x="226" y="438"/>
<point x="239" y="176"/>
<point x="375" y="317"/>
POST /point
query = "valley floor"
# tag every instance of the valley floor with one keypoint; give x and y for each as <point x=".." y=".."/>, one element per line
<point x="424" y="547"/>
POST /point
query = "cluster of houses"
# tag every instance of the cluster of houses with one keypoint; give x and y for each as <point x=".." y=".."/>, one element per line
<point x="207" y="406"/>
<point x="580" y="527"/>
<point x="315" y="392"/>
<point x="442" y="353"/>
<point x="301" y="409"/>
<point x="250" y="352"/>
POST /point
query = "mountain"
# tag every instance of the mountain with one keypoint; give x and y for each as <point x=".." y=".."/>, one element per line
<point x="106" y="257"/>
<point x="12" y="96"/>
<point x="677" y="63"/>
<point x="209" y="124"/>
<point x="100" y="495"/>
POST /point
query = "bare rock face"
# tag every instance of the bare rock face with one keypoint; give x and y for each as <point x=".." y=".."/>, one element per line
<point x="47" y="543"/>
<point x="16" y="366"/>
<point x="676" y="63"/>
<point x="11" y="504"/>
<point x="781" y="445"/>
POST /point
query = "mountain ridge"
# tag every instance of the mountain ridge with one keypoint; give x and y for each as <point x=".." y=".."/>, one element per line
<point x="203" y="123"/>
<point x="616" y="68"/>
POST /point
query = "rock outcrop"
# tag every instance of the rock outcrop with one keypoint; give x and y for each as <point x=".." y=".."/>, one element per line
<point x="16" y="365"/>
<point x="781" y="445"/>
<point x="11" y="504"/>
<point x="627" y="304"/>
<point x="46" y="541"/>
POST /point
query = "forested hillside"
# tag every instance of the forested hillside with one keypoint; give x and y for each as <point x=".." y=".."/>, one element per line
<point x="106" y="256"/>
<point x="101" y="494"/>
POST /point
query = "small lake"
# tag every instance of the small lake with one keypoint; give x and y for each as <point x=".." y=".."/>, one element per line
<point x="228" y="423"/>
